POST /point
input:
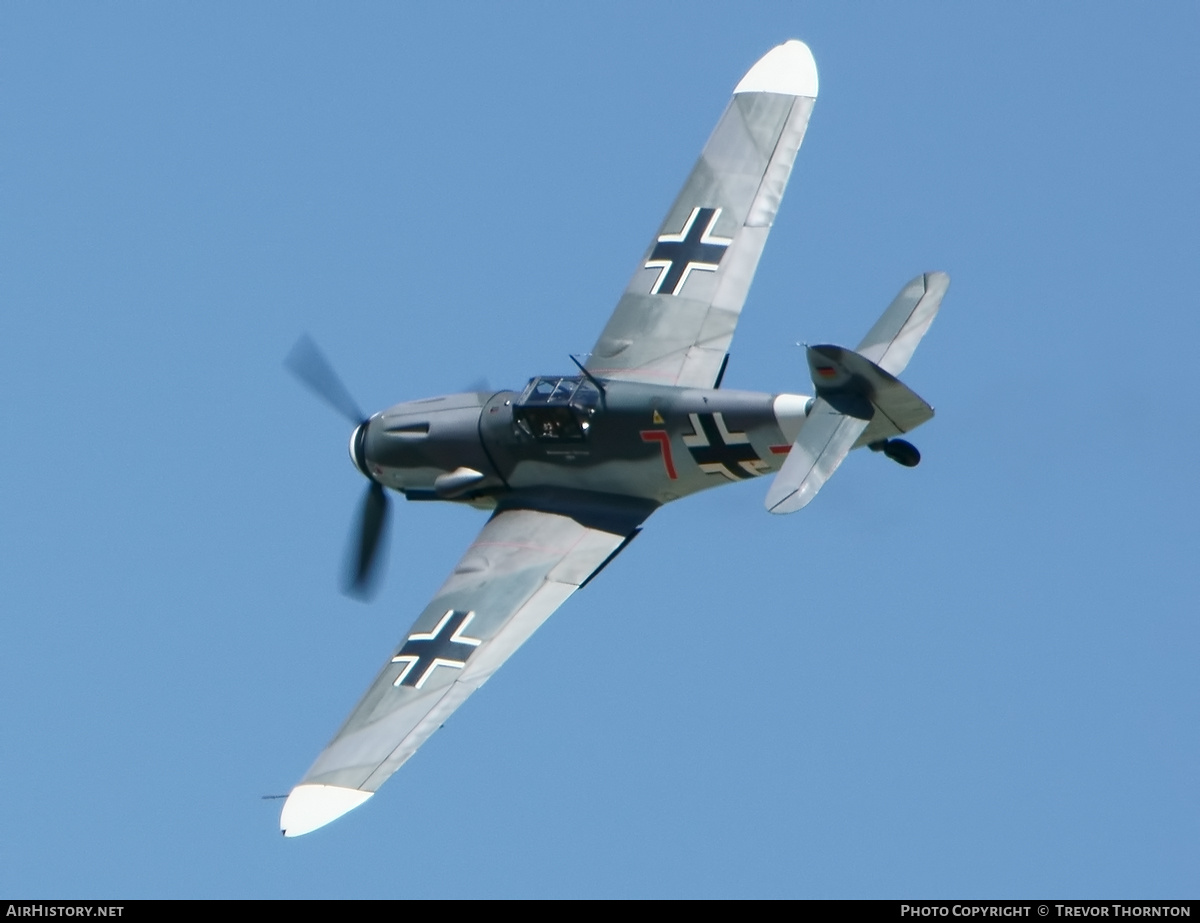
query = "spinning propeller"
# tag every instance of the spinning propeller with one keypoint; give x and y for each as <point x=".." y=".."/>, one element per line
<point x="309" y="364"/>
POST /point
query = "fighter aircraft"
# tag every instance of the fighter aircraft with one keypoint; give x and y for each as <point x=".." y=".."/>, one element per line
<point x="573" y="465"/>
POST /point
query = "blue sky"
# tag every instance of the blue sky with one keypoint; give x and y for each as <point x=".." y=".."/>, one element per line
<point x="975" y="678"/>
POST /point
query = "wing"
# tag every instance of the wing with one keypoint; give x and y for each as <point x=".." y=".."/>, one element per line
<point x="676" y="319"/>
<point x="523" y="566"/>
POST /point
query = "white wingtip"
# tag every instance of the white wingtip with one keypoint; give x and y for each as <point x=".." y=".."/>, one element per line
<point x="311" y="806"/>
<point x="788" y="68"/>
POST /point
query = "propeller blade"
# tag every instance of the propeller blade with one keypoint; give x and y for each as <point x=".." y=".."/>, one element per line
<point x="309" y="364"/>
<point x="363" y="555"/>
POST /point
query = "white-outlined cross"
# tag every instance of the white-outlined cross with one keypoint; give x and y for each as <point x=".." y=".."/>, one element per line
<point x="445" y="646"/>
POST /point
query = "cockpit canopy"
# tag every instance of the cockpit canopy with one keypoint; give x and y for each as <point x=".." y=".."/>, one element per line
<point x="557" y="408"/>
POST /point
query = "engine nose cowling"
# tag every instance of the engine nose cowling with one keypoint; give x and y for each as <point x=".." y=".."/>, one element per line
<point x="428" y="448"/>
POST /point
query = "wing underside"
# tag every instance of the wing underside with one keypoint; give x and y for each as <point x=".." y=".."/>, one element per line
<point x="675" y="321"/>
<point x="524" y="564"/>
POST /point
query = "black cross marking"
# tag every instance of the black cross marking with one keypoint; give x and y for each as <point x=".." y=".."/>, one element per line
<point x="445" y="646"/>
<point x="733" y="457"/>
<point x="675" y="256"/>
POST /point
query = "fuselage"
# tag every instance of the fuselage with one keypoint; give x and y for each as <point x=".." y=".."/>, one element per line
<point x="634" y="440"/>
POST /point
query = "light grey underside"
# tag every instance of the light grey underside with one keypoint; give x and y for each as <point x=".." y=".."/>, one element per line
<point x="522" y="567"/>
<point x="682" y="339"/>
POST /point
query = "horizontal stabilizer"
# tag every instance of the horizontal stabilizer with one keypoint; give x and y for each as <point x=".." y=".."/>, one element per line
<point x="825" y="439"/>
<point x="894" y="338"/>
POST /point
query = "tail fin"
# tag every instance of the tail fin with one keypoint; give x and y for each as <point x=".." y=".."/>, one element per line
<point x="865" y="390"/>
<point x="859" y="399"/>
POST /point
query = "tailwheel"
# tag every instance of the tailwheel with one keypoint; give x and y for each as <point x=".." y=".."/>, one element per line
<point x="899" y="451"/>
